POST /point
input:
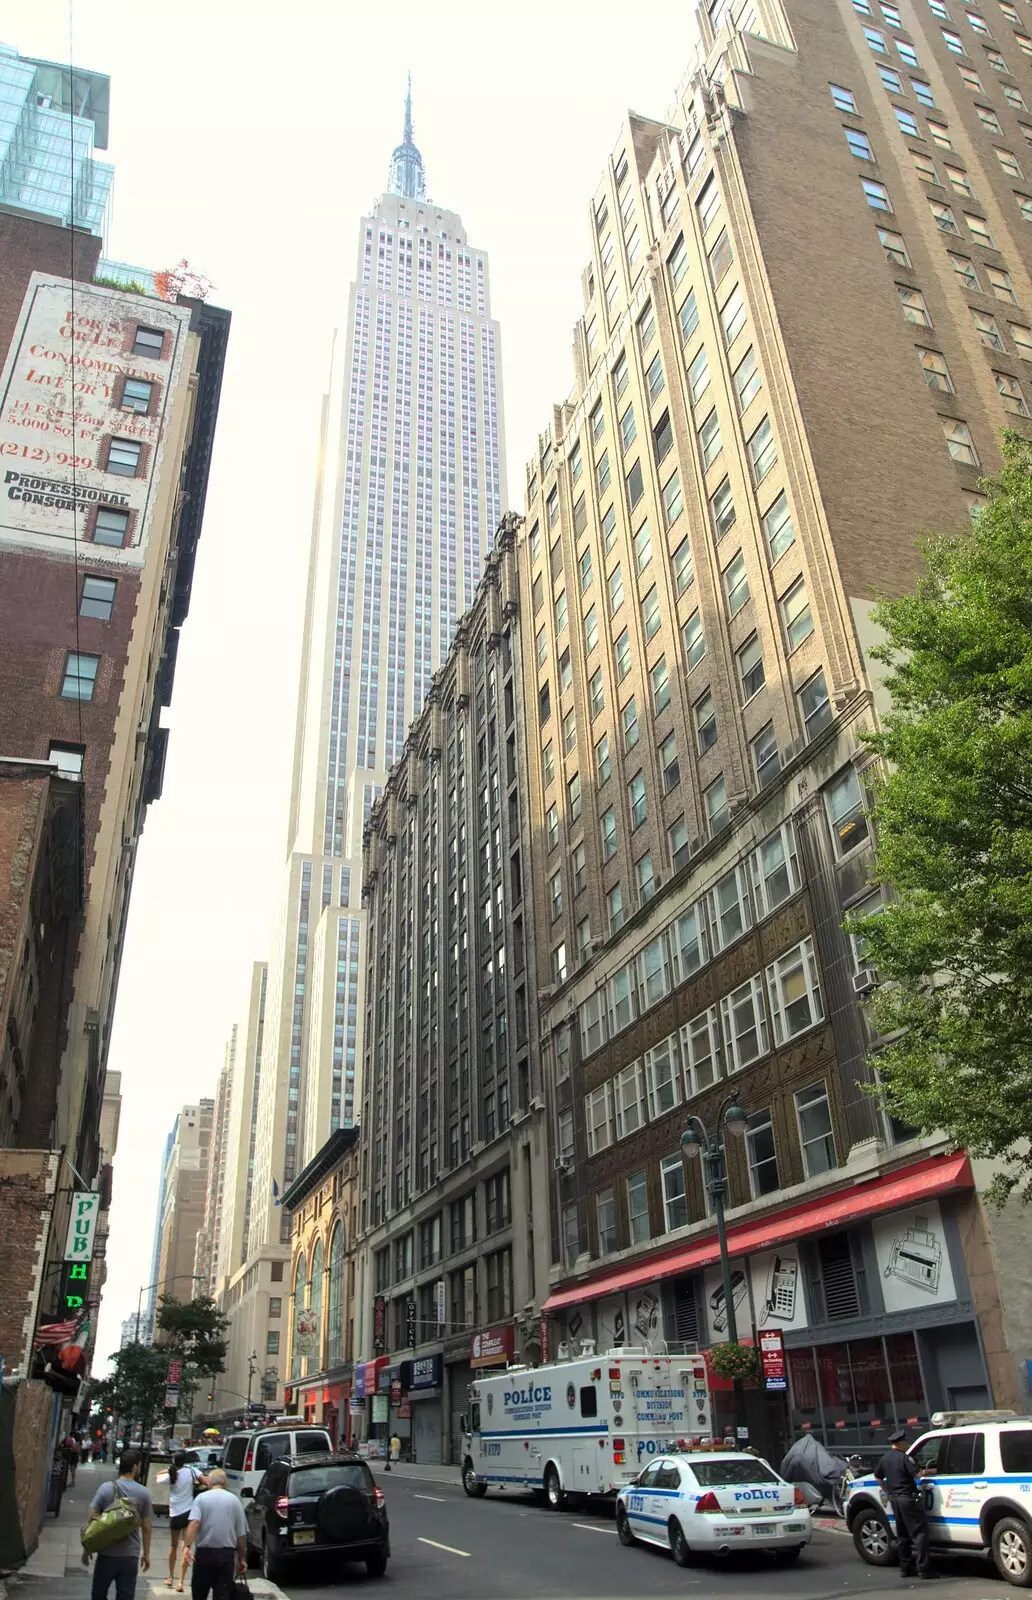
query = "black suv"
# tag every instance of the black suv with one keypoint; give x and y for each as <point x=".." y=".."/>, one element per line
<point x="317" y="1505"/>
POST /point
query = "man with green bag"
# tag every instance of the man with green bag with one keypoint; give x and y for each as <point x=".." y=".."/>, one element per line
<point x="118" y="1531"/>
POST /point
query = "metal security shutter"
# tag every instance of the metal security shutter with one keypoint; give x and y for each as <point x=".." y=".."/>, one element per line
<point x="686" y="1314"/>
<point x="838" y="1279"/>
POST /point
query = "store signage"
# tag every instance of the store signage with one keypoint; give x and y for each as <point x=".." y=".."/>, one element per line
<point x="544" y="1340"/>
<point x="82" y="1225"/>
<point x="395" y="1392"/>
<point x="73" y="1290"/>
<point x="410" y="1322"/>
<point x="425" y="1373"/>
<point x="360" y="1376"/>
<point x="383" y="1378"/>
<point x="379" y="1325"/>
<point x="772" y="1359"/>
<point x="492" y="1347"/>
<point x="379" y="1408"/>
<point x="439" y="1302"/>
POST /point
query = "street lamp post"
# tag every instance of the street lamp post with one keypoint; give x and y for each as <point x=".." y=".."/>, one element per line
<point x="696" y="1141"/>
<point x="252" y="1368"/>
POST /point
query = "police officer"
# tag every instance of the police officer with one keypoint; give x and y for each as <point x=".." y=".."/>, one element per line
<point x="897" y="1473"/>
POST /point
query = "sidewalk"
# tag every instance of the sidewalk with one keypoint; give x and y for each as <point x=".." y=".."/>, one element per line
<point x="55" y="1570"/>
<point x="413" y="1469"/>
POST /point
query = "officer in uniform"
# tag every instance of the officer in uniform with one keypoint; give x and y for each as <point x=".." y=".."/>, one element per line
<point x="897" y="1473"/>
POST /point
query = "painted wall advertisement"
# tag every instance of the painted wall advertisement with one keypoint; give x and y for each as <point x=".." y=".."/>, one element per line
<point x="59" y="406"/>
<point x="915" y="1264"/>
<point x="631" y="1319"/>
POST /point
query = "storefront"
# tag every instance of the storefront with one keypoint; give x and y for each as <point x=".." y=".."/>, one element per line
<point x="372" y="1404"/>
<point x="327" y="1403"/>
<point x="422" y="1382"/>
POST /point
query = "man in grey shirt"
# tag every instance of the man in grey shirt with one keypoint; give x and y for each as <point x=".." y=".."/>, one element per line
<point x="120" y="1562"/>
<point x="216" y="1540"/>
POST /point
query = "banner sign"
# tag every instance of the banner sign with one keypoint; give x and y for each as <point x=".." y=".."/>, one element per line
<point x="439" y="1302"/>
<point x="379" y="1325"/>
<point x="424" y="1373"/>
<point x="410" y="1323"/>
<point x="492" y="1348"/>
<point x="82" y="1225"/>
<point x="772" y="1359"/>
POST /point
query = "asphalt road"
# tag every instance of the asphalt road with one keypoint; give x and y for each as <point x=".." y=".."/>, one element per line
<point x="506" y="1547"/>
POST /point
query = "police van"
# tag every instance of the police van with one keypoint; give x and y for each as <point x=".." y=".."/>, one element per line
<point x="584" y="1426"/>
<point x="976" y="1478"/>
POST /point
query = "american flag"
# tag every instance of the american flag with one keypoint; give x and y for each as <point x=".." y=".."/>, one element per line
<point x="55" y="1332"/>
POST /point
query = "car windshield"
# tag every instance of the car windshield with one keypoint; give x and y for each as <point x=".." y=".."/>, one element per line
<point x="313" y="1480"/>
<point x="721" y="1474"/>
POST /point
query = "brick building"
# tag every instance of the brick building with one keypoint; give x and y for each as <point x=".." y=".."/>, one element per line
<point x="807" y="318"/>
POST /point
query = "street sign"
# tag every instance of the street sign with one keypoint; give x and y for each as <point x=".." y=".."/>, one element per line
<point x="171" y="1397"/>
<point x="174" y="1377"/>
<point x="772" y="1359"/>
<point x="82" y="1225"/>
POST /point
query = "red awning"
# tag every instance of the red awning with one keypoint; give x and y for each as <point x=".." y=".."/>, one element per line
<point x="905" y="1187"/>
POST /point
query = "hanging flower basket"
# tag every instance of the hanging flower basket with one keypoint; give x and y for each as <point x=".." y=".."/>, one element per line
<point x="730" y="1361"/>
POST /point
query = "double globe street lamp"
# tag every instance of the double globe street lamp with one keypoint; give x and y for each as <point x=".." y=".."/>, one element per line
<point x="697" y="1142"/>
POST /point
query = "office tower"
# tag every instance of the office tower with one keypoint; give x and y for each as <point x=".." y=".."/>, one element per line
<point x="207" y="1249"/>
<point x="807" y="317"/>
<point x="410" y="491"/>
<point x="52" y="118"/>
<point x="184" y="1193"/>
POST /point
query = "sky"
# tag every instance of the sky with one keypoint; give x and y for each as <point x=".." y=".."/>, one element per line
<point x="249" y="137"/>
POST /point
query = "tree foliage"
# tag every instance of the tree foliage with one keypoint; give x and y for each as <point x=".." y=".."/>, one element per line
<point x="954" y="821"/>
<point x="194" y="1331"/>
<point x="135" y="1388"/>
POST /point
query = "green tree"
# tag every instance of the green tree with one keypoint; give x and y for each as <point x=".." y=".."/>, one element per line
<point x="194" y="1331"/>
<point x="954" y="820"/>
<point x="135" y="1388"/>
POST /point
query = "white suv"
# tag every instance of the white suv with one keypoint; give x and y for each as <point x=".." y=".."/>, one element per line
<point x="249" y="1454"/>
<point x="976" y="1476"/>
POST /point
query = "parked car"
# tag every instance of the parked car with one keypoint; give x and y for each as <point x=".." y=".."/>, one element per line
<point x="248" y="1455"/>
<point x="317" y="1505"/>
<point x="706" y="1502"/>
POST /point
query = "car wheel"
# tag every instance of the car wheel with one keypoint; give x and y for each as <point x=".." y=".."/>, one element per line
<point x="678" y="1544"/>
<point x="553" y="1490"/>
<point x="873" y="1538"/>
<point x="473" y="1487"/>
<point x="376" y="1565"/>
<point x="1012" y="1551"/>
<point x="623" y="1527"/>
<point x="791" y="1554"/>
<point x="273" y="1567"/>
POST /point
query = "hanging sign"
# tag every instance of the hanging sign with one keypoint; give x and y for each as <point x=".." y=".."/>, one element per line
<point x="82" y="1225"/>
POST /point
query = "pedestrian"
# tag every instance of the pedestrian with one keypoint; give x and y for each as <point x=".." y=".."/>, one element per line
<point x="395" y="1449"/>
<point x="216" y="1540"/>
<point x="898" y="1474"/>
<point x="120" y="1563"/>
<point x="183" y="1482"/>
<point x="70" y="1451"/>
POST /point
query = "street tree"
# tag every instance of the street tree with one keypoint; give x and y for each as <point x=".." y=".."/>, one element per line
<point x="135" y="1388"/>
<point x="953" y="813"/>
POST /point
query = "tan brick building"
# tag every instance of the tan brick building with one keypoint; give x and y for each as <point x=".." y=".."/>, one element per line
<point x="807" y="318"/>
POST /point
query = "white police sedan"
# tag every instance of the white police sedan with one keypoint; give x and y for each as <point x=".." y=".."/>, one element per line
<point x="712" y="1502"/>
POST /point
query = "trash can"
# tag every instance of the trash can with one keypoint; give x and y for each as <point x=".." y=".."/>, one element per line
<point x="56" y="1485"/>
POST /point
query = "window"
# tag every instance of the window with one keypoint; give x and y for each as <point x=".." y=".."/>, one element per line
<point x="965" y="272"/>
<point x="732" y="317"/>
<point x="576" y="462"/>
<point x="635" y="487"/>
<point x="544" y="704"/>
<point x="891" y="79"/>
<point x="637" y="801"/>
<point x="552" y="827"/>
<point x="654" y="377"/>
<point x="813" y="1114"/>
<point x="80" y="676"/>
<point x="555" y="889"/>
<point x="844" y="804"/>
<point x="1013" y="96"/>
<point x="722" y="509"/>
<point x="646" y="878"/>
<point x="578" y="861"/>
<point x="959" y="442"/>
<point x="662" y="437"/>
<point x="721" y="257"/>
<point x="814" y="704"/>
<point x="945" y="221"/>
<point x="705" y="723"/>
<point x="596" y="1120"/>
<point x="569" y="728"/>
<point x="778" y="529"/>
<point x="548" y="763"/>
<point x="746" y="379"/>
<point x="673" y="500"/>
<point x="894" y="246"/>
<point x="571" y="1233"/>
<point x="1022" y="337"/>
<point x="629" y="1100"/>
<point x="559" y="964"/>
<point x="552" y="507"/>
<point x="597" y="692"/>
<point x="859" y="144"/>
<point x="922" y="91"/>
<point x="675" y="1200"/>
<point x="607" y="822"/>
<point x="68" y="759"/>
<point x="698" y="375"/>
<point x="97" y="598"/>
<point x="766" y="759"/>
<point x="642" y="548"/>
<point x="603" y="766"/>
<point x="621" y="376"/>
<point x="892" y="16"/>
<point x="580" y="514"/>
<point x="110" y="526"/>
<point x="907" y="53"/>
<point x="678" y="844"/>
<point x="702" y="1051"/>
<point x="907" y="122"/>
<point x="272" y="1342"/>
<point x="751" y="676"/>
<point x="1000" y="283"/>
<point x="647" y="323"/>
<point x="987" y="330"/>
<point x="959" y="180"/>
<point x="616" y="592"/>
<point x="924" y="166"/>
<point x="876" y="41"/>
<point x="650" y="614"/>
<point x="715" y="798"/>
<point x="775" y="870"/>
<point x="1009" y="390"/>
<point x="597" y="421"/>
<point x="762" y="451"/>
<point x="707" y="205"/>
<point x="660" y="681"/>
<point x="709" y="438"/>
<point x="629" y="724"/>
<point x="953" y="42"/>
<point x="863" y="6"/>
<point x="844" y="99"/>
<point x="1024" y="205"/>
<point x="996" y="61"/>
<point x="979" y="24"/>
<point x="605" y="1211"/>
<point x="590" y="630"/>
<point x="669" y="764"/>
<point x="796" y="616"/>
<point x="573" y="795"/>
<point x="736" y="585"/>
<point x="677" y="261"/>
<point x="795" y="993"/>
<point x="622" y="656"/>
<point x="628" y="427"/>
<point x="560" y="612"/>
<point x="638" y="1208"/>
<point x="988" y="118"/>
<point x="124" y="457"/>
<point x="745" y="1024"/>
<point x="940" y="134"/>
<point x="149" y="342"/>
<point x="615" y="909"/>
<point x="761" y="1155"/>
<point x="979" y="229"/>
<point x="936" y="372"/>
<point x="694" y="641"/>
<point x="914" y="307"/>
<point x="691" y="950"/>
<point x="688" y="317"/>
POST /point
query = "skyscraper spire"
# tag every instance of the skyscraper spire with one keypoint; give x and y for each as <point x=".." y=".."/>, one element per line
<point x="407" y="176"/>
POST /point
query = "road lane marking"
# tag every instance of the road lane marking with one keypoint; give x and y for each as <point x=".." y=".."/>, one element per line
<point x="449" y="1547"/>
<point x="591" y="1527"/>
<point x="436" y="1498"/>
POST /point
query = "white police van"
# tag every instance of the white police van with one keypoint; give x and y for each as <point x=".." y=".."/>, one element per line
<point x="976" y="1478"/>
<point x="585" y="1426"/>
<point x="713" y="1502"/>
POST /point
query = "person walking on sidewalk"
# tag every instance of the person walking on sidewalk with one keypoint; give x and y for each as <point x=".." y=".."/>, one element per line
<point x="216" y="1540"/>
<point x="395" y="1448"/>
<point x="70" y="1451"/>
<point x="120" y="1563"/>
<point x="183" y="1483"/>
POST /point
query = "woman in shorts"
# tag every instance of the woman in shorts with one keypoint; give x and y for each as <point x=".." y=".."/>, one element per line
<point x="184" y="1482"/>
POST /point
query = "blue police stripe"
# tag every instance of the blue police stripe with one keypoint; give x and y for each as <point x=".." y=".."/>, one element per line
<point x="545" y="1433"/>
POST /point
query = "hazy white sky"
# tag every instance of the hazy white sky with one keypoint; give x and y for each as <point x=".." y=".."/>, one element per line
<point x="249" y="137"/>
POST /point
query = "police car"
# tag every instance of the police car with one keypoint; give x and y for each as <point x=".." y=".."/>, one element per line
<point x="711" y="1502"/>
<point x="976" y="1478"/>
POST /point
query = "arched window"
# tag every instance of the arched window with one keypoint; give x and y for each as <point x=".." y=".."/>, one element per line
<point x="315" y="1298"/>
<point x="335" y="1319"/>
<point x="299" y="1306"/>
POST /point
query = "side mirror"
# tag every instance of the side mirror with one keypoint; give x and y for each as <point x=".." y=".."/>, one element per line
<point x="464" y="1423"/>
<point x="247" y="1493"/>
